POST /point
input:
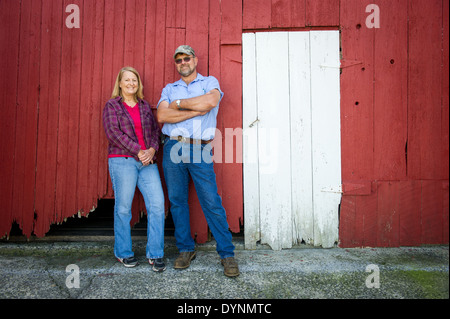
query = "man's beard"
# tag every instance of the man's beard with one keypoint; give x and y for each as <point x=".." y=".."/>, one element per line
<point x="186" y="71"/>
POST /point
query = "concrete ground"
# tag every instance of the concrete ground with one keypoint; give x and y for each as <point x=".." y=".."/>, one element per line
<point x="45" y="269"/>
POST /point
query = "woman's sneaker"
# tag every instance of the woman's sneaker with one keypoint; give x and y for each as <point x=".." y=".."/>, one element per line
<point x="128" y="262"/>
<point x="158" y="264"/>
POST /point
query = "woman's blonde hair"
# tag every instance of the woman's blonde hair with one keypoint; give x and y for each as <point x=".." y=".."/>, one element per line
<point x="117" y="90"/>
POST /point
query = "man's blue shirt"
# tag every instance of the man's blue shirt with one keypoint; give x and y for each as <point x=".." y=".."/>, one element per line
<point x="199" y="127"/>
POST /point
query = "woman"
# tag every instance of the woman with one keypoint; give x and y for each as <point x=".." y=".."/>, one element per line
<point x="133" y="135"/>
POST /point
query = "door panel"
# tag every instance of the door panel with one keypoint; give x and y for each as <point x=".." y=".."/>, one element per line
<point x="291" y="128"/>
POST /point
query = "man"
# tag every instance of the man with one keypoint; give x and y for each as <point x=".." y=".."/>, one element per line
<point x="189" y="109"/>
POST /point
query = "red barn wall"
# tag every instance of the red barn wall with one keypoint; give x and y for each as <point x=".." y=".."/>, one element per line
<point x="394" y="117"/>
<point x="394" y="104"/>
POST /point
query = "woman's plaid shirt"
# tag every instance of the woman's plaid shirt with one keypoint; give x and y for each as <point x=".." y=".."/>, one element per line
<point x="119" y="128"/>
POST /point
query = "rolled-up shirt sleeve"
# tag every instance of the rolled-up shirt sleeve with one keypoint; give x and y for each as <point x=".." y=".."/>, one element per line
<point x="212" y="84"/>
<point x="164" y="96"/>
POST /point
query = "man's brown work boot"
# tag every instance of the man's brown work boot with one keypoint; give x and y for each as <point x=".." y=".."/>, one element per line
<point x="184" y="260"/>
<point x="230" y="267"/>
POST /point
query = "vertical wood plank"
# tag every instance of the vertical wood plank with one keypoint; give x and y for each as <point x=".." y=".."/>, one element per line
<point x="300" y="131"/>
<point x="288" y="13"/>
<point x="445" y="91"/>
<point x="362" y="208"/>
<point x="326" y="145"/>
<point x="86" y="113"/>
<point x="445" y="212"/>
<point x="410" y="213"/>
<point x="424" y="82"/>
<point x="257" y="14"/>
<point x="160" y="55"/>
<point x="432" y="217"/>
<point x="155" y="54"/>
<point x="110" y="72"/>
<point x="68" y="126"/>
<point x="231" y="85"/>
<point x="98" y="171"/>
<point x="322" y="13"/>
<point x="130" y="34"/>
<point x="117" y="31"/>
<point x="390" y="92"/>
<point x="149" y="53"/>
<point x="274" y="156"/>
<point x="347" y="221"/>
<point x="9" y="33"/>
<point x="197" y="31"/>
<point x="367" y="206"/>
<point x="250" y="142"/>
<point x="176" y="13"/>
<point x="27" y="115"/>
<point x="215" y="27"/>
<point x="231" y="22"/>
<point x="358" y="220"/>
<point x="91" y="154"/>
<point x="52" y="21"/>
<point x="357" y="105"/>
<point x="134" y="42"/>
<point x="388" y="214"/>
<point x="174" y="38"/>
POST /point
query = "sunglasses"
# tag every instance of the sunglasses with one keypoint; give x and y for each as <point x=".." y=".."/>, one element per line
<point x="185" y="59"/>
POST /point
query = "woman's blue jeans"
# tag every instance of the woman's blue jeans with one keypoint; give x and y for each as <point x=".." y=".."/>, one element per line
<point x="127" y="173"/>
<point x="181" y="160"/>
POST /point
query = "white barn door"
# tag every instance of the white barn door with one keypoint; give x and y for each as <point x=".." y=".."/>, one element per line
<point x="291" y="144"/>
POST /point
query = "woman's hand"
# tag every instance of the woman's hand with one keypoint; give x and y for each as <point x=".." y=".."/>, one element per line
<point x="146" y="156"/>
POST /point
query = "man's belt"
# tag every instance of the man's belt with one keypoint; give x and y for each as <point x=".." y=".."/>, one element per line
<point x="188" y="140"/>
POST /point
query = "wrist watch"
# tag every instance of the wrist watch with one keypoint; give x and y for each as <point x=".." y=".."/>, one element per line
<point x="178" y="104"/>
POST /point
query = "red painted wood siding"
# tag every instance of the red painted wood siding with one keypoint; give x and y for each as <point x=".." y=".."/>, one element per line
<point x="394" y="117"/>
<point x="394" y="104"/>
<point x="54" y="151"/>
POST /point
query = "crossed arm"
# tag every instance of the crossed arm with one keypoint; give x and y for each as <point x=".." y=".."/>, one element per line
<point x="192" y="107"/>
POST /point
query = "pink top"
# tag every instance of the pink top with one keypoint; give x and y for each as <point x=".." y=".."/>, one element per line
<point x="136" y="116"/>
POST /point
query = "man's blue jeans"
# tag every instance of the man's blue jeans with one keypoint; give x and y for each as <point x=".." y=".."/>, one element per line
<point x="127" y="173"/>
<point x="184" y="159"/>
